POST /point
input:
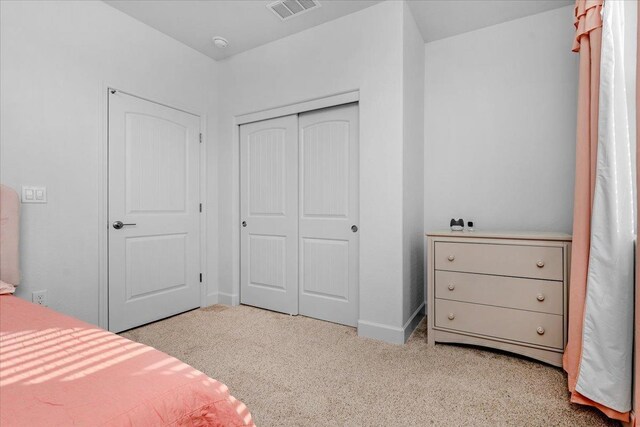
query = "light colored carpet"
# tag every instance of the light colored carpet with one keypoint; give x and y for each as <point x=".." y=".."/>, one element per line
<point x="296" y="371"/>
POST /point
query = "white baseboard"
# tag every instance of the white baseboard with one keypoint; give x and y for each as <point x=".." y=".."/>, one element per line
<point x="210" y="299"/>
<point x="414" y="321"/>
<point x="391" y="334"/>
<point x="228" y="299"/>
<point x="378" y="331"/>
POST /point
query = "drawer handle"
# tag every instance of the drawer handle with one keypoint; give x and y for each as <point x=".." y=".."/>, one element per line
<point x="540" y="297"/>
<point x="451" y="286"/>
<point x="451" y="316"/>
<point x="540" y="330"/>
<point x="451" y="257"/>
<point x="540" y="264"/>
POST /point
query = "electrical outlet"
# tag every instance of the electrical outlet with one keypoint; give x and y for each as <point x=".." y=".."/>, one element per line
<point x="39" y="297"/>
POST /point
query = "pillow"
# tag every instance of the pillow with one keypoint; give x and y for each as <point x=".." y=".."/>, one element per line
<point x="6" y="288"/>
<point x="9" y="235"/>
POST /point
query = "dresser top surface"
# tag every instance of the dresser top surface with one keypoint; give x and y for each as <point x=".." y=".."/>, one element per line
<point x="515" y="235"/>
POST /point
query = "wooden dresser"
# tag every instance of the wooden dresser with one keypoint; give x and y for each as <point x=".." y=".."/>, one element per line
<point x="502" y="290"/>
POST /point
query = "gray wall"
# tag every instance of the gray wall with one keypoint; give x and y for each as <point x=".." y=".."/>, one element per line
<point x="360" y="51"/>
<point x="500" y="118"/>
<point x="57" y="58"/>
<point x="412" y="167"/>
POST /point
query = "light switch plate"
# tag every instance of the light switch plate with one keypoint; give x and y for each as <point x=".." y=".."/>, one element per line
<point x="32" y="194"/>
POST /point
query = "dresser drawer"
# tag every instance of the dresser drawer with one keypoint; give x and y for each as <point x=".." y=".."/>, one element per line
<point x="506" y="323"/>
<point x="525" y="294"/>
<point x="538" y="262"/>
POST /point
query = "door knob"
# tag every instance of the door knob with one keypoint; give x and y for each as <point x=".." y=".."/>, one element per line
<point x="119" y="224"/>
<point x="354" y="228"/>
<point x="244" y="223"/>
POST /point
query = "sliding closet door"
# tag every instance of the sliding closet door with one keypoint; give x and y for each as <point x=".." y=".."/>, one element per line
<point x="329" y="203"/>
<point x="269" y="214"/>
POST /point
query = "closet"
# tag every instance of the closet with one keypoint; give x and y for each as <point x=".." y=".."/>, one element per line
<point x="299" y="214"/>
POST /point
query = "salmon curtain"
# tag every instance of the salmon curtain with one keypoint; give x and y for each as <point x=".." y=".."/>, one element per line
<point x="587" y="43"/>
<point x="583" y="323"/>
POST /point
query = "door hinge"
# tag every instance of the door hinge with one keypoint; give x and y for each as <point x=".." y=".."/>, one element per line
<point x="200" y="138"/>
<point x="200" y="207"/>
<point x="200" y="277"/>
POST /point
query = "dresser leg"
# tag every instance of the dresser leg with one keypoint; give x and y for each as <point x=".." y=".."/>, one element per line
<point x="431" y="341"/>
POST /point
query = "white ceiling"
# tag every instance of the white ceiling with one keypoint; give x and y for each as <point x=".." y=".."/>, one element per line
<point x="438" y="19"/>
<point x="248" y="23"/>
<point x="244" y="23"/>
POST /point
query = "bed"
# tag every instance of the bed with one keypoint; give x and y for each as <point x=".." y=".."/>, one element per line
<point x="56" y="370"/>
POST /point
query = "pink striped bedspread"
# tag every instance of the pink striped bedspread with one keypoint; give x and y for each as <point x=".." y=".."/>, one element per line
<point x="57" y="371"/>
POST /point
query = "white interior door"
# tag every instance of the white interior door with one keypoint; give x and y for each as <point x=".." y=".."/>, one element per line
<point x="269" y="214"/>
<point x="154" y="257"/>
<point x="329" y="202"/>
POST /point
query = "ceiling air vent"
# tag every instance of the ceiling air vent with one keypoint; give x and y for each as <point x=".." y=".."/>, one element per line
<point x="286" y="9"/>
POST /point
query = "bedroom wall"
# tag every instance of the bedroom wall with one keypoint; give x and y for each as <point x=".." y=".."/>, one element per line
<point x="413" y="169"/>
<point x="500" y="112"/>
<point x="56" y="58"/>
<point x="358" y="51"/>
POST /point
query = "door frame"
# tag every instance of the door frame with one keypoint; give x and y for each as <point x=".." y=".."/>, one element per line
<point x="270" y="113"/>
<point x="103" y="195"/>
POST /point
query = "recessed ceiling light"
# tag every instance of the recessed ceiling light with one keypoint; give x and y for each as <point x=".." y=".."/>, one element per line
<point x="220" y="42"/>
